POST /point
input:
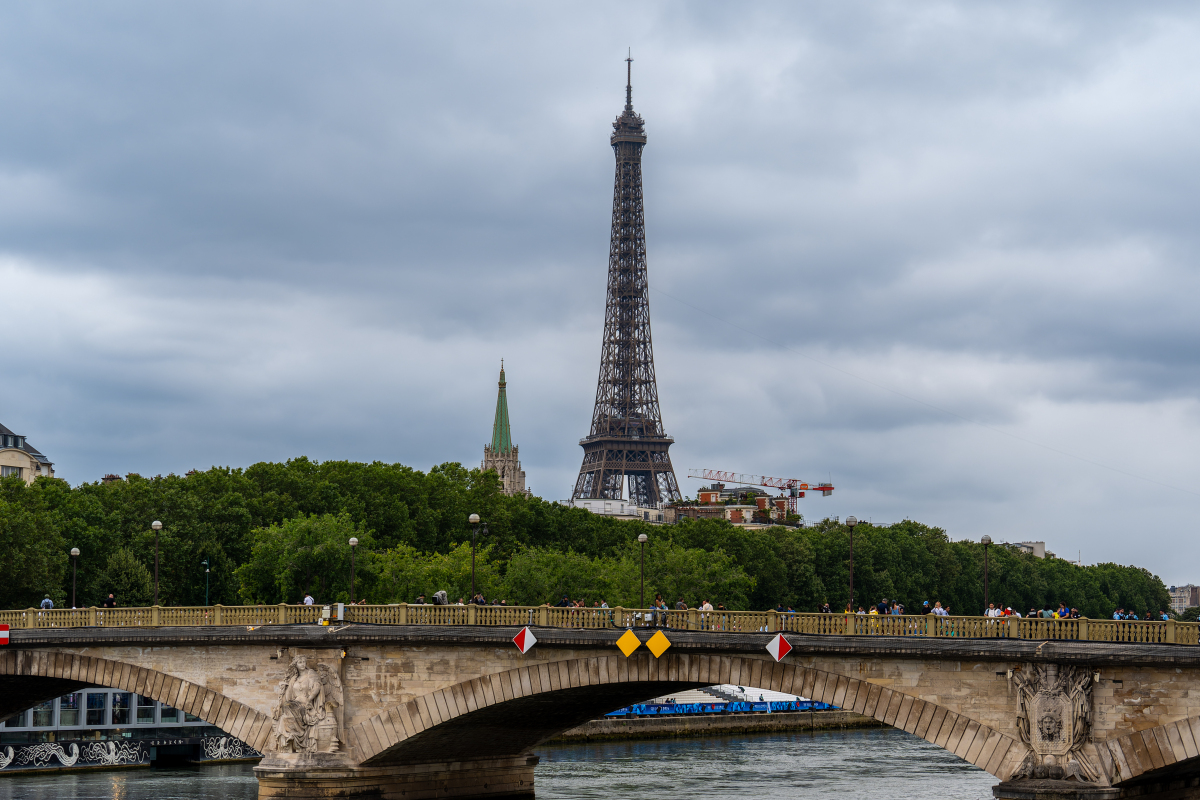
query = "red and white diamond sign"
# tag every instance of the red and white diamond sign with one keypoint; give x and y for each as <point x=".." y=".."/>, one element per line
<point x="524" y="640"/>
<point x="3" y="634"/>
<point x="778" y="647"/>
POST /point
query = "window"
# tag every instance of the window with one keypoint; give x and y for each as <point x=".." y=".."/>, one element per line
<point x="191" y="717"/>
<point x="43" y="714"/>
<point x="97" y="704"/>
<point x="169" y="714"/>
<point x="68" y="709"/>
<point x="145" y="710"/>
<point x="120" y="708"/>
<point x="15" y="721"/>
<point x="6" y="471"/>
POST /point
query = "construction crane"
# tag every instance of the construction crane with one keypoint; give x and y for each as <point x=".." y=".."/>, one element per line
<point x="794" y="487"/>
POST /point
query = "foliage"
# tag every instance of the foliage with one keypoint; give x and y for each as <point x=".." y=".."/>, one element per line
<point x="272" y="530"/>
<point x="306" y="554"/>
<point x="128" y="580"/>
<point x="540" y="575"/>
<point x="33" y="559"/>
<point x="402" y="573"/>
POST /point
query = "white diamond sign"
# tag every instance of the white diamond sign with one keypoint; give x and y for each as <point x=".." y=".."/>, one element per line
<point x="524" y="640"/>
<point x="778" y="647"/>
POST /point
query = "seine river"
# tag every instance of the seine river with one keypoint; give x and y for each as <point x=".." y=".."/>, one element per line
<point x="874" y="764"/>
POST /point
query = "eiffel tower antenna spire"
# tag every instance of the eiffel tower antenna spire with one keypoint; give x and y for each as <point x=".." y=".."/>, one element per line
<point x="626" y="449"/>
<point x="629" y="81"/>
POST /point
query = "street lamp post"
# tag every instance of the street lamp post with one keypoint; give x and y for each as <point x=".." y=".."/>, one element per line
<point x="850" y="523"/>
<point x="476" y="530"/>
<point x="157" y="526"/>
<point x="74" y="563"/>
<point x="987" y="540"/>
<point x="353" y="547"/>
<point x="642" y="540"/>
<point x="474" y="520"/>
<point x="204" y="563"/>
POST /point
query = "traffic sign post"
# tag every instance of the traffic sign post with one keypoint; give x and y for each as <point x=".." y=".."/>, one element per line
<point x="628" y="643"/>
<point x="524" y="640"/>
<point x="658" y="644"/>
<point x="778" y="647"/>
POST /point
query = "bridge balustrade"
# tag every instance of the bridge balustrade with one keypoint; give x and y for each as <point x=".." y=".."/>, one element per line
<point x="1102" y="630"/>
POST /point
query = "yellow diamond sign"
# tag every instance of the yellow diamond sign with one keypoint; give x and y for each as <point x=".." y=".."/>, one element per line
<point x="628" y="643"/>
<point x="658" y="644"/>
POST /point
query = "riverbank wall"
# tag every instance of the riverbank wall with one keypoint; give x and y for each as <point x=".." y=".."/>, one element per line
<point x="714" y="725"/>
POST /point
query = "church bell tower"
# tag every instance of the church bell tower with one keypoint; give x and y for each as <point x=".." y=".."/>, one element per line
<point x="501" y="455"/>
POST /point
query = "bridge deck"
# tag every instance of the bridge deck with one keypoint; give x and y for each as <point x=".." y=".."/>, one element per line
<point x="724" y="622"/>
<point x="682" y="641"/>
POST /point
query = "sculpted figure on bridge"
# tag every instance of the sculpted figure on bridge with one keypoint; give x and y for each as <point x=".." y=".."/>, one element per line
<point x="306" y="715"/>
<point x="1054" y="718"/>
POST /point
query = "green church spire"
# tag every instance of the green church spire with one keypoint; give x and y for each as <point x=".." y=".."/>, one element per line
<point x="501" y="434"/>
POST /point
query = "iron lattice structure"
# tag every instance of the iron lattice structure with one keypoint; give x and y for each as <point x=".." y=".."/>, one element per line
<point x="627" y="444"/>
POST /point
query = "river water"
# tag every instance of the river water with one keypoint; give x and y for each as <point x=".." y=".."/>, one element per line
<point x="873" y="764"/>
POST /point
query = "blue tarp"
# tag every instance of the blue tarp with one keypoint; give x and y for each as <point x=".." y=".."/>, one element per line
<point x="651" y="709"/>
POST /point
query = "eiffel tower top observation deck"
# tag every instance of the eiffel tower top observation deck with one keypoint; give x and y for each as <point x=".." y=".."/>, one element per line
<point x="627" y="445"/>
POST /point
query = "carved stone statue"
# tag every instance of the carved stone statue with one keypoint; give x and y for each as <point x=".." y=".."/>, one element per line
<point x="1054" y="717"/>
<point x="307" y="714"/>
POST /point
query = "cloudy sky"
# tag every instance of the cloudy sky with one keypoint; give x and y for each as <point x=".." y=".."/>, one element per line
<point x="944" y="254"/>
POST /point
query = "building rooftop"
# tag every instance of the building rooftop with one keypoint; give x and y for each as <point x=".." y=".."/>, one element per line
<point x="501" y="431"/>
<point x="8" y="439"/>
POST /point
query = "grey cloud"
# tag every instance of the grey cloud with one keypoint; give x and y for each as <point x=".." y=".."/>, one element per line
<point x="250" y="232"/>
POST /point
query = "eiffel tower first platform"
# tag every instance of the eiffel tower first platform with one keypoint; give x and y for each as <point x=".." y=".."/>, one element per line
<point x="627" y="445"/>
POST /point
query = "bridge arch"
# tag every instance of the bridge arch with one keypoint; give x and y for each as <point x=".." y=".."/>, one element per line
<point x="1154" y="754"/>
<point x="506" y="713"/>
<point x="32" y="676"/>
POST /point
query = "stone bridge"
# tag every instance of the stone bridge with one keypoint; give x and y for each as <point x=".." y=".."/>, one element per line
<point x="412" y="711"/>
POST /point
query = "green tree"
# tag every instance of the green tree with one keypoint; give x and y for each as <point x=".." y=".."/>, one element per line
<point x="307" y="554"/>
<point x="33" y="557"/>
<point x="235" y="518"/>
<point x="542" y="575"/>
<point x="127" y="579"/>
<point x="402" y="573"/>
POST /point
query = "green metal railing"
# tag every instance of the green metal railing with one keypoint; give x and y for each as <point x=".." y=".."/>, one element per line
<point x="1091" y="630"/>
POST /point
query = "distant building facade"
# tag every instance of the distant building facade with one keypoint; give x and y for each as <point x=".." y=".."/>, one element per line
<point x="740" y="505"/>
<point x="501" y="456"/>
<point x="1184" y="597"/>
<point x="1038" y="549"/>
<point x="620" y="509"/>
<point x="18" y="457"/>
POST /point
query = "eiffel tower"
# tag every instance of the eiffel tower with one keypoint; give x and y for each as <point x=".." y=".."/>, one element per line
<point x="627" y="447"/>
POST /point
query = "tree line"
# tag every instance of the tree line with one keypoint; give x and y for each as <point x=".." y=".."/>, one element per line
<point x="273" y="531"/>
